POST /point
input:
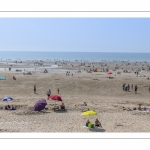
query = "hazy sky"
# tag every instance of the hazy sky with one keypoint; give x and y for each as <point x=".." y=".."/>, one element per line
<point x="75" y="34"/>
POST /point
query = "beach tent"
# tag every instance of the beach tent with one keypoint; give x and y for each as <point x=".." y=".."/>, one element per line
<point x="143" y="68"/>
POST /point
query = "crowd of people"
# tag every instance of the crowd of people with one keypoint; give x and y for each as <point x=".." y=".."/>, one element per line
<point x="8" y="107"/>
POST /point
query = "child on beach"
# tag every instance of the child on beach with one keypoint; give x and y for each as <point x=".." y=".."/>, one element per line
<point x="48" y="93"/>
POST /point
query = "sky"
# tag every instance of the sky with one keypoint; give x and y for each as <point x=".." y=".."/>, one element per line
<point x="75" y="34"/>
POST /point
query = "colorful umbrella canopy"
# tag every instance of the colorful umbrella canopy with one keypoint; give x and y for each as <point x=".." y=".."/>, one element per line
<point x="8" y="98"/>
<point x="40" y="105"/>
<point x="109" y="72"/>
<point x="89" y="113"/>
<point x="55" y="97"/>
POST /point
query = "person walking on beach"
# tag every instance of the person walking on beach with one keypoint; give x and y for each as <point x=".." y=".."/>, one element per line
<point x="34" y="89"/>
<point x="128" y="87"/>
<point x="48" y="93"/>
<point x="135" y="88"/>
<point x="123" y="87"/>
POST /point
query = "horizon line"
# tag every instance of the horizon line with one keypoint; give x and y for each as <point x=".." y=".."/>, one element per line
<point x="70" y="51"/>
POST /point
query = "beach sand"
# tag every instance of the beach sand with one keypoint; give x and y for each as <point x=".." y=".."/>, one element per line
<point x="101" y="94"/>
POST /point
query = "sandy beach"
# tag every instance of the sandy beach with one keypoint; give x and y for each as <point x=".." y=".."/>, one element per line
<point x="101" y="93"/>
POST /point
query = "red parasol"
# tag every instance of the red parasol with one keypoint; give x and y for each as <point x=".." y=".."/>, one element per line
<point x="109" y="72"/>
<point x="55" y="97"/>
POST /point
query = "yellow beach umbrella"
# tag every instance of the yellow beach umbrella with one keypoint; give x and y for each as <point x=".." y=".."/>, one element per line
<point x="89" y="113"/>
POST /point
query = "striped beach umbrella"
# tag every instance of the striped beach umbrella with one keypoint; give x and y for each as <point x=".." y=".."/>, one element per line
<point x="8" y="98"/>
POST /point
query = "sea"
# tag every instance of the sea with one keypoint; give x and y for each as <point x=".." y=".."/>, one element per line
<point x="74" y="56"/>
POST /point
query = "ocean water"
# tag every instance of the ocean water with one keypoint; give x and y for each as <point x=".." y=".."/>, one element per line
<point x="74" y="56"/>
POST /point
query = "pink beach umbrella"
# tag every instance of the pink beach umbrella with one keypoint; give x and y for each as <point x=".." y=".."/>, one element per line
<point x="109" y="72"/>
<point x="55" y="98"/>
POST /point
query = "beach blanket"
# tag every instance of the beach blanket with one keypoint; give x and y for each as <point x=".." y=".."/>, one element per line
<point x="142" y="111"/>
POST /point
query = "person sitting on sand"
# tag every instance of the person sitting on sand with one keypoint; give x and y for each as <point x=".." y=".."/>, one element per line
<point x="14" y="77"/>
<point x="45" y="71"/>
<point x="85" y="104"/>
<point x="123" y="108"/>
<point x="97" y="123"/>
<point x="62" y="106"/>
<point x="6" y="108"/>
<point x="13" y="108"/>
<point x="87" y="123"/>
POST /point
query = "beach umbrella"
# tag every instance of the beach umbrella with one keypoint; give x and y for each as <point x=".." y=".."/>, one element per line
<point x="8" y="98"/>
<point x="89" y="113"/>
<point x="55" y="97"/>
<point x="40" y="105"/>
<point x="109" y="72"/>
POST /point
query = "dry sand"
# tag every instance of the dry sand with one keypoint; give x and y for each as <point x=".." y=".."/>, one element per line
<point x="101" y="94"/>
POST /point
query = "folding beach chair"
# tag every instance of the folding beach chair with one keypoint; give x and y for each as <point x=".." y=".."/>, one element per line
<point x="2" y="77"/>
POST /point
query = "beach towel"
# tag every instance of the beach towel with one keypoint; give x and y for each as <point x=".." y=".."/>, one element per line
<point x="2" y="77"/>
<point x="142" y="111"/>
<point x="87" y="127"/>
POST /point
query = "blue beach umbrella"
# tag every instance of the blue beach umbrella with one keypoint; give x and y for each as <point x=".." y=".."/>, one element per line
<point x="8" y="98"/>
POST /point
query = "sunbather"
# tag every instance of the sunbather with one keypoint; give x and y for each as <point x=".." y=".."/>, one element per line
<point x="97" y="123"/>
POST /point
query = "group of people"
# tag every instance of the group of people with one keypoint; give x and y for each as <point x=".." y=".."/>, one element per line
<point x="135" y="108"/>
<point x="8" y="107"/>
<point x="68" y="73"/>
<point x="127" y="88"/>
<point x="97" y="123"/>
<point x="45" y="71"/>
<point x="62" y="107"/>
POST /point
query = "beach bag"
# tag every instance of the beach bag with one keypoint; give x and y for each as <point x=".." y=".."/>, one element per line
<point x="90" y="125"/>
